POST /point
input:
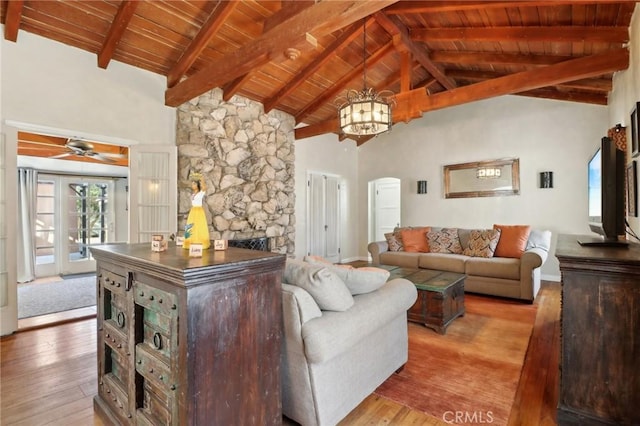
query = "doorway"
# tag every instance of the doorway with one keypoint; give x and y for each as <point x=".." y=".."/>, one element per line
<point x="384" y="207"/>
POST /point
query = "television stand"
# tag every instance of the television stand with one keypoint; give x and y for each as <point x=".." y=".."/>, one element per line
<point x="601" y="242"/>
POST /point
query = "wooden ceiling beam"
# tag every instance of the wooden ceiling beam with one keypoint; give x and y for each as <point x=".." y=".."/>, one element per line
<point x="232" y="88"/>
<point x="475" y="58"/>
<point x="323" y="17"/>
<point x="524" y="34"/>
<point x="452" y="6"/>
<point x="200" y="41"/>
<point x="347" y="36"/>
<point x="394" y="27"/>
<point x="589" y="98"/>
<point x="411" y="104"/>
<point x="125" y="12"/>
<point x="590" y="84"/>
<point x="288" y="10"/>
<point x="339" y="85"/>
<point x="405" y="71"/>
<point x="12" y="19"/>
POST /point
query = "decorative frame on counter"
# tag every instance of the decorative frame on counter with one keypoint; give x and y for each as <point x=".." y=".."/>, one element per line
<point x="466" y="180"/>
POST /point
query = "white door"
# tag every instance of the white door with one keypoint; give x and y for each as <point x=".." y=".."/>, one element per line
<point x="8" y="227"/>
<point x="323" y="216"/>
<point x="386" y="206"/>
<point x="153" y="192"/>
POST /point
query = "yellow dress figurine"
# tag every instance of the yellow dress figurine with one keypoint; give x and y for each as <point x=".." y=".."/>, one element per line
<point x="196" y="230"/>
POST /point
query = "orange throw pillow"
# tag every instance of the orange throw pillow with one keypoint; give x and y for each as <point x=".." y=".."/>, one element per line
<point x="513" y="240"/>
<point x="415" y="240"/>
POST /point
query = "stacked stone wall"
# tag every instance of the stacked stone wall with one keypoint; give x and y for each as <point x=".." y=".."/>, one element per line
<point x="247" y="160"/>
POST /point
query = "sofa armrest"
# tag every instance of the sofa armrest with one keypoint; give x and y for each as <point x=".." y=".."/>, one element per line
<point x="298" y="305"/>
<point x="375" y="248"/>
<point x="533" y="258"/>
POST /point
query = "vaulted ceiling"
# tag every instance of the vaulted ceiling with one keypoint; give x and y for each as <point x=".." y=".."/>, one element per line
<point x="300" y="56"/>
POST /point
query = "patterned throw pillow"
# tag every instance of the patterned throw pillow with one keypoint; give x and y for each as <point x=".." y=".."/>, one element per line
<point x="444" y="241"/>
<point x="482" y="243"/>
<point x="393" y="242"/>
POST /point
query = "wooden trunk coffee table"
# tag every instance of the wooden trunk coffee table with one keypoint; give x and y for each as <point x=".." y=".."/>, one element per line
<point x="440" y="295"/>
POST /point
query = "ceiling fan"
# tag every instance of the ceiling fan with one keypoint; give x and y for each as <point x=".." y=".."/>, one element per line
<point x="82" y="148"/>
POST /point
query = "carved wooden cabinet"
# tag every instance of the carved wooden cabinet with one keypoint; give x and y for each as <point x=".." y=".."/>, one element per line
<point x="600" y="334"/>
<point x="188" y="341"/>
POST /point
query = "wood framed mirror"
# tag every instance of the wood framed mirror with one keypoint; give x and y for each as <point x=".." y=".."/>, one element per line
<point x="492" y="178"/>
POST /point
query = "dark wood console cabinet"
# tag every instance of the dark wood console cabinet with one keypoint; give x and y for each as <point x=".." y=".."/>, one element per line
<point x="188" y="341"/>
<point x="600" y="334"/>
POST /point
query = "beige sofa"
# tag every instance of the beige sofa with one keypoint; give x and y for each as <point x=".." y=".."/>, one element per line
<point x="498" y="276"/>
<point x="332" y="360"/>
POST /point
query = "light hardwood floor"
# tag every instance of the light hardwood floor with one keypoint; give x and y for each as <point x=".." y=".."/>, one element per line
<point x="48" y="376"/>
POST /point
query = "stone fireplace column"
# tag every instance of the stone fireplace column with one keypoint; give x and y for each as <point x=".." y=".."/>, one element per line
<point x="247" y="160"/>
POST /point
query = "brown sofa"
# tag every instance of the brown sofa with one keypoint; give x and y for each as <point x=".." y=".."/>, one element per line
<point x="498" y="276"/>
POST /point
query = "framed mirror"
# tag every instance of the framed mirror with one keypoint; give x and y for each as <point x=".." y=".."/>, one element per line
<point x="491" y="178"/>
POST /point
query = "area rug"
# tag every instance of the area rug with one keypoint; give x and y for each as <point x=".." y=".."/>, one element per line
<point x="469" y="375"/>
<point x="41" y="298"/>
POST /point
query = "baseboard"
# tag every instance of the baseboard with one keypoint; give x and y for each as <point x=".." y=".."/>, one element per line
<point x="555" y="278"/>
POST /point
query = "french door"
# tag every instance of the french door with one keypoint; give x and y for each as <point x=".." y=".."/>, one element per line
<point x="72" y="214"/>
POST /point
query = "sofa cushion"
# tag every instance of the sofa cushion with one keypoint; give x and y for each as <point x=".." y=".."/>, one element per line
<point x="495" y="267"/>
<point x="335" y="333"/>
<point x="400" y="258"/>
<point x="513" y="240"/>
<point x="443" y="262"/>
<point x="482" y="242"/>
<point x="326" y="288"/>
<point x="444" y="241"/>
<point x="358" y="280"/>
<point x="415" y="240"/>
<point x="393" y="242"/>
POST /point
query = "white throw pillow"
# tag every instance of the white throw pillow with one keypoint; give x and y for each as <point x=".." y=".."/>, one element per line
<point x="358" y="280"/>
<point x="326" y="288"/>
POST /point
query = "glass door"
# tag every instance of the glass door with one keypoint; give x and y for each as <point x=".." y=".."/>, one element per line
<point x="87" y="215"/>
<point x="73" y="213"/>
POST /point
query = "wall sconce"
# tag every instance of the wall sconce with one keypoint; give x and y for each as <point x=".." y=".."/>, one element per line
<point x="422" y="187"/>
<point x="546" y="179"/>
<point x="619" y="127"/>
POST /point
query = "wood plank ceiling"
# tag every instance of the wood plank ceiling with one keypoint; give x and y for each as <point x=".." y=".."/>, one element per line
<point x="299" y="56"/>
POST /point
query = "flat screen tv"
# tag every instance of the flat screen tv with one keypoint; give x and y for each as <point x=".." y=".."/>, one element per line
<point x="606" y="196"/>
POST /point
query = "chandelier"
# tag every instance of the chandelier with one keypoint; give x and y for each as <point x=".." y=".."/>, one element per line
<point x="365" y="112"/>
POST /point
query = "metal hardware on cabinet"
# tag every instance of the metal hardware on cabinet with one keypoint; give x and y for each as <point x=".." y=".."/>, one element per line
<point x="120" y="319"/>
<point x="173" y="387"/>
<point x="157" y="341"/>
<point x="139" y="361"/>
<point x="151" y="297"/>
<point x="141" y="293"/>
<point x="174" y="306"/>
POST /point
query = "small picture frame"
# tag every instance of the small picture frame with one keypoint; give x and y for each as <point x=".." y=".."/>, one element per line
<point x="158" y="243"/>
<point x="179" y="241"/>
<point x="220" y="244"/>
<point x="635" y="130"/>
<point x="195" y="250"/>
<point x="632" y="188"/>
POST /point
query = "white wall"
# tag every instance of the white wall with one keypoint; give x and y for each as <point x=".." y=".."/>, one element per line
<point x="625" y="94"/>
<point x="51" y="85"/>
<point x="545" y="135"/>
<point x="325" y="154"/>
